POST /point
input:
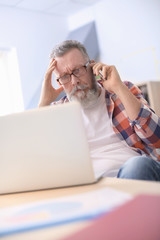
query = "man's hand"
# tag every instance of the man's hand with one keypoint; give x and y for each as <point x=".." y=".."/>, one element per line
<point x="112" y="82"/>
<point x="110" y="77"/>
<point x="48" y="92"/>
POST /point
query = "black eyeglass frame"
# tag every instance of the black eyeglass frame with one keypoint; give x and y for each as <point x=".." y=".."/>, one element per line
<point x="85" y="66"/>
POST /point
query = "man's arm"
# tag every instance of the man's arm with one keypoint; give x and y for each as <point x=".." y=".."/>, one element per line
<point x="131" y="104"/>
<point x="146" y="123"/>
<point x="114" y="84"/>
<point x="48" y="93"/>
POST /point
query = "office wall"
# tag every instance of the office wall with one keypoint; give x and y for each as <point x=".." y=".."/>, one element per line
<point x="33" y="35"/>
<point x="128" y="36"/>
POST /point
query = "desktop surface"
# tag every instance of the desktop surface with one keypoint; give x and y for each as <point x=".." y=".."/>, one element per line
<point x="134" y="187"/>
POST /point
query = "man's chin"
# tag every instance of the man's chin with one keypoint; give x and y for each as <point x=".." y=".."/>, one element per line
<point x="85" y="98"/>
<point x="85" y="103"/>
<point x="79" y="95"/>
<point x="77" y="98"/>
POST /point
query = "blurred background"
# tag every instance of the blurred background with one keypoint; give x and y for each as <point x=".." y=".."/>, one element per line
<point x="124" y="33"/>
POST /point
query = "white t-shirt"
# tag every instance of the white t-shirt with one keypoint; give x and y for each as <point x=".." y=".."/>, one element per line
<point x="107" y="151"/>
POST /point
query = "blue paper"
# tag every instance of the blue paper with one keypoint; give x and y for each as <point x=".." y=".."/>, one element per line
<point x="60" y="211"/>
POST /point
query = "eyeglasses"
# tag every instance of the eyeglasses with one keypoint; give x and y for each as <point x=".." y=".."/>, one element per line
<point x="76" y="72"/>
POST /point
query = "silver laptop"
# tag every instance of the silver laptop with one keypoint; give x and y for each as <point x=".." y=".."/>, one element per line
<point x="44" y="148"/>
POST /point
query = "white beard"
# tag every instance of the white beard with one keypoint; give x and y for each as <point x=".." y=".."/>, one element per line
<point x="87" y="98"/>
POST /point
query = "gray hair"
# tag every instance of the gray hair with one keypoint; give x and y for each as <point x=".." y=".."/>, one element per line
<point x="62" y="48"/>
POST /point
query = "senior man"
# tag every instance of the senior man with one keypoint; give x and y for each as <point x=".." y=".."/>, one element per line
<point x="123" y="132"/>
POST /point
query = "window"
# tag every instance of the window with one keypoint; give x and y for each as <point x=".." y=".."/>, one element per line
<point x="11" y="99"/>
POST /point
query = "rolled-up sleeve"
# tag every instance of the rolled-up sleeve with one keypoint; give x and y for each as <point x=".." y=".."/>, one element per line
<point x="147" y="126"/>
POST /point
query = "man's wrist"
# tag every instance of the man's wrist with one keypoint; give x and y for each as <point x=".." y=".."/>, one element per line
<point x="120" y="89"/>
<point x="43" y="104"/>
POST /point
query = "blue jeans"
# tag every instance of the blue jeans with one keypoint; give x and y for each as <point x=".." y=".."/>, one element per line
<point x="140" y="167"/>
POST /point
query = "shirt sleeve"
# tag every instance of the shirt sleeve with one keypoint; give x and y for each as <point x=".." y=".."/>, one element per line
<point x="61" y="101"/>
<point x="147" y="124"/>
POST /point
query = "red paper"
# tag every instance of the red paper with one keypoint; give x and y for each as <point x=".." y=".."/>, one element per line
<point x="138" y="219"/>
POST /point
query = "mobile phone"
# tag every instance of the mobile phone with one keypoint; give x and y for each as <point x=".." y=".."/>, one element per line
<point x="101" y="75"/>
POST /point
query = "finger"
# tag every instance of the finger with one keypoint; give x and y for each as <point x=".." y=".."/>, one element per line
<point x="52" y="59"/>
<point x="52" y="62"/>
<point x="97" y="67"/>
<point x="52" y="66"/>
<point x="92" y="62"/>
<point x="104" y="71"/>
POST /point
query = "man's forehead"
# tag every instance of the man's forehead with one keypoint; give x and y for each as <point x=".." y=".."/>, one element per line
<point x="69" y="61"/>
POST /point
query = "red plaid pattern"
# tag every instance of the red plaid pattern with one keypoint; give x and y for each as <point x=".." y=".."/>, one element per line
<point x="142" y="134"/>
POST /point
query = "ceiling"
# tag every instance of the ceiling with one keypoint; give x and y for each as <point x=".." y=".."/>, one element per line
<point x="56" y="7"/>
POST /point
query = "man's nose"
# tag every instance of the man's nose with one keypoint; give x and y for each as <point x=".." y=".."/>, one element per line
<point x="74" y="80"/>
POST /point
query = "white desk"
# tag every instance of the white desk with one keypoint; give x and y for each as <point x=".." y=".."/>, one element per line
<point x="131" y="186"/>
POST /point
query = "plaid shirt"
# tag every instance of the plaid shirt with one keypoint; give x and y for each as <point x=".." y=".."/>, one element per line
<point x="142" y="134"/>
